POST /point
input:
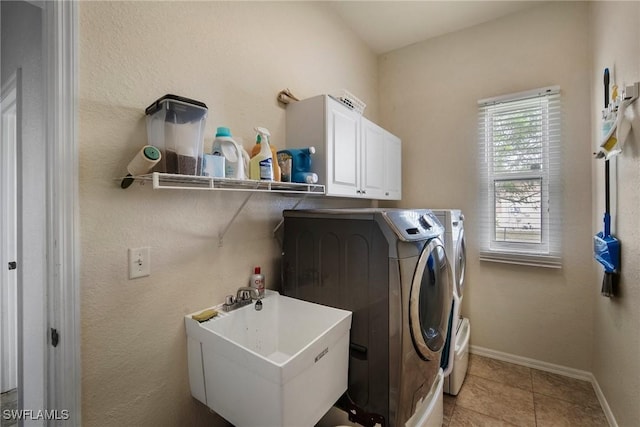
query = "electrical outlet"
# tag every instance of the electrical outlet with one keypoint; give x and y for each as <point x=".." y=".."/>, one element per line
<point x="139" y="262"/>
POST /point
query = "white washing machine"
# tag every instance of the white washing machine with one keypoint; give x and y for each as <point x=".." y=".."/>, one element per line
<point x="453" y="222"/>
<point x="456" y="352"/>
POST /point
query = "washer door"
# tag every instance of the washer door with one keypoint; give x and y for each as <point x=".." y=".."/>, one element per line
<point x="430" y="301"/>
<point x="461" y="262"/>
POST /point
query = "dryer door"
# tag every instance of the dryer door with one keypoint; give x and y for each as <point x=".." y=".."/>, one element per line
<point x="430" y="301"/>
<point x="461" y="263"/>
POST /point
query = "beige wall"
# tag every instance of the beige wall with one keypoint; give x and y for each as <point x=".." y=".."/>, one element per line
<point x="428" y="97"/>
<point x="235" y="57"/>
<point x="133" y="341"/>
<point x="616" y="343"/>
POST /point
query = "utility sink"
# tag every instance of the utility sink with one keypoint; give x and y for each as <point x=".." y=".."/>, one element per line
<point x="284" y="365"/>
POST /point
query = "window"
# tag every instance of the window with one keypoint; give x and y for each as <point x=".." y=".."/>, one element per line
<point x="519" y="138"/>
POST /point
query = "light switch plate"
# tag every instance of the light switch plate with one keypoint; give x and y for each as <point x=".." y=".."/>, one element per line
<point x="139" y="262"/>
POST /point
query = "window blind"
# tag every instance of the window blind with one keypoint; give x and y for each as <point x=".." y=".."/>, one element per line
<point x="520" y="164"/>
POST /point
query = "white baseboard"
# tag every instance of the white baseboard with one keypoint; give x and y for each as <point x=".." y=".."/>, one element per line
<point x="532" y="363"/>
<point x="553" y="368"/>
<point x="603" y="402"/>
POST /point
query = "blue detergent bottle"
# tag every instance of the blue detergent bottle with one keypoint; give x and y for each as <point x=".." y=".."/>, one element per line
<point x="301" y="164"/>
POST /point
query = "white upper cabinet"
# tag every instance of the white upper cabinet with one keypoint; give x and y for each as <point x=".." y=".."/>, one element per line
<point x="374" y="162"/>
<point x="342" y="151"/>
<point x="354" y="156"/>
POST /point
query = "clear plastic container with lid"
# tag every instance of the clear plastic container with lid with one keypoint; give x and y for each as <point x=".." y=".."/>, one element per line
<point x="176" y="126"/>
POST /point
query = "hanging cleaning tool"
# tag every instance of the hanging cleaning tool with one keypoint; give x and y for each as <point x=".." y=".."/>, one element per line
<point x="606" y="247"/>
<point x="617" y="120"/>
<point x="608" y="139"/>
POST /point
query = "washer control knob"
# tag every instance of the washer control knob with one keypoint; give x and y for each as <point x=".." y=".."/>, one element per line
<point x="425" y="222"/>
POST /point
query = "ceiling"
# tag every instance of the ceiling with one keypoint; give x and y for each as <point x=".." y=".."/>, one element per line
<point x="390" y="25"/>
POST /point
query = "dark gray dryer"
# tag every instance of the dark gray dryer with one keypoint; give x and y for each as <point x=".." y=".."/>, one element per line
<point x="389" y="268"/>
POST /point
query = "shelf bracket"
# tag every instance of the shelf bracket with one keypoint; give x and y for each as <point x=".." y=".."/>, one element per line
<point x="162" y="181"/>
<point x="294" y="207"/>
<point x="233" y="218"/>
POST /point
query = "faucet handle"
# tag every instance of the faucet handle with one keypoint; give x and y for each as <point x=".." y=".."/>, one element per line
<point x="244" y="295"/>
<point x="247" y="293"/>
<point x="229" y="303"/>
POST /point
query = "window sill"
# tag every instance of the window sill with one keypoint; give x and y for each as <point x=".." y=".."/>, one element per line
<point x="531" y="260"/>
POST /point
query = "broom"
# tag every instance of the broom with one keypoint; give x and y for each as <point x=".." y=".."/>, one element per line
<point x="607" y="247"/>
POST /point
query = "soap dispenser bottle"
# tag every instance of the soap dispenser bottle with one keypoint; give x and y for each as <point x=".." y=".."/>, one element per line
<point x="261" y="165"/>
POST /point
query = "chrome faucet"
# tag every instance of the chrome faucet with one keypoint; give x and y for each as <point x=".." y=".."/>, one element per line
<point x="244" y="296"/>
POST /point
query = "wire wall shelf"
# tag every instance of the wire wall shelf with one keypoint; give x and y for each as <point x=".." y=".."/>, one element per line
<point x="166" y="181"/>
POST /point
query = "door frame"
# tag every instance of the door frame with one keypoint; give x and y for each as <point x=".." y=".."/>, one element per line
<point x="9" y="333"/>
<point x="60" y="34"/>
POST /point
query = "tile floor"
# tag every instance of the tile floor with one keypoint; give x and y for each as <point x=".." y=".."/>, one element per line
<point x="8" y="401"/>
<point x="497" y="393"/>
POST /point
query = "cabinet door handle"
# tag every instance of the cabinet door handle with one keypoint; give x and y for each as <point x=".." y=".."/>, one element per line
<point x="386" y="194"/>
<point x="358" y="191"/>
<point x="364" y="192"/>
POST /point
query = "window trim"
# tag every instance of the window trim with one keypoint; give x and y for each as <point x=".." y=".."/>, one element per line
<point x="546" y="254"/>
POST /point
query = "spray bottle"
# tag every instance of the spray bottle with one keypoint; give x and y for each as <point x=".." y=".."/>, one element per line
<point x="261" y="165"/>
<point x="277" y="174"/>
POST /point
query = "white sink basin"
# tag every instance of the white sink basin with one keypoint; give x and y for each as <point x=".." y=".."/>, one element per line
<point x="285" y="365"/>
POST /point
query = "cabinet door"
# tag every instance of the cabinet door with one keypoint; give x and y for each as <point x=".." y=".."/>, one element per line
<point x="393" y="147"/>
<point x="373" y="165"/>
<point x="343" y="158"/>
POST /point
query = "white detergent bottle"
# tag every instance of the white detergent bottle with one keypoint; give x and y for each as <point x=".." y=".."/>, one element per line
<point x="261" y="165"/>
<point x="224" y="145"/>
